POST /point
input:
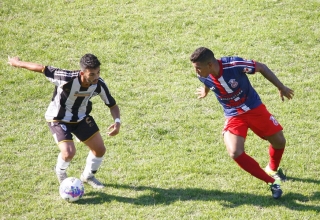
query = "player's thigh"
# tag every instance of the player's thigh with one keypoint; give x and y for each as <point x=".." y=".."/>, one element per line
<point x="86" y="129"/>
<point x="96" y="145"/>
<point x="88" y="132"/>
<point x="236" y="125"/>
<point x="263" y="123"/>
<point x="61" y="133"/>
<point x="234" y="144"/>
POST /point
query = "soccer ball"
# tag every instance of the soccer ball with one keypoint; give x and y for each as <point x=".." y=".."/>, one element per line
<point x="71" y="189"/>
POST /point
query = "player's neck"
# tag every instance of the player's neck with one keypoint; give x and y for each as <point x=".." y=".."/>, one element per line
<point x="215" y="69"/>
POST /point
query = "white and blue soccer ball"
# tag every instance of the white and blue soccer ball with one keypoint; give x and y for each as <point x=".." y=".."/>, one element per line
<point x="71" y="189"/>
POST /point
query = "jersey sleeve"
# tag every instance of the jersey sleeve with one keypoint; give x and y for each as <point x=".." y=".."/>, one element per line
<point x="245" y="66"/>
<point x="105" y="94"/>
<point x="59" y="76"/>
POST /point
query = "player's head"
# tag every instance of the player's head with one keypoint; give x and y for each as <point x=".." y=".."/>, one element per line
<point x="202" y="55"/>
<point x="90" y="69"/>
<point x="89" y="61"/>
<point x="202" y="60"/>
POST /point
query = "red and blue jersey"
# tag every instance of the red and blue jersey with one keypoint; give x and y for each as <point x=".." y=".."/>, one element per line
<point x="232" y="87"/>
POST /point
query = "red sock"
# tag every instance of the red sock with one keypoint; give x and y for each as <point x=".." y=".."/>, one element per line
<point x="251" y="166"/>
<point x="275" y="157"/>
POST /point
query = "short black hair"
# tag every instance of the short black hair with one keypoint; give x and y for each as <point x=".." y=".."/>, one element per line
<point x="89" y="61"/>
<point x="202" y="54"/>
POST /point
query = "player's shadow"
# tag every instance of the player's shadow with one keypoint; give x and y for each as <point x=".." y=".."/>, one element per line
<point x="304" y="180"/>
<point x="153" y="196"/>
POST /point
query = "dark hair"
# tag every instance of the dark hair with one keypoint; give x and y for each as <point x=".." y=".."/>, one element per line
<point x="202" y="54"/>
<point x="89" y="61"/>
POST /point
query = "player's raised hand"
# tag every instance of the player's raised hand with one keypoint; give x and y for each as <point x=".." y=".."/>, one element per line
<point x="286" y="92"/>
<point x="201" y="92"/>
<point x="13" y="61"/>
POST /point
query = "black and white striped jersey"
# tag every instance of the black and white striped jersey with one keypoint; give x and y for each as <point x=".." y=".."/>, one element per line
<point x="70" y="101"/>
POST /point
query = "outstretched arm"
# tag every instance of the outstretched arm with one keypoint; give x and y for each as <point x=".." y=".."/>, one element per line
<point x="115" y="112"/>
<point x="16" y="62"/>
<point x="269" y="75"/>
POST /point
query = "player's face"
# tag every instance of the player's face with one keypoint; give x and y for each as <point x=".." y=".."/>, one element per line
<point x="90" y="76"/>
<point x="202" y="69"/>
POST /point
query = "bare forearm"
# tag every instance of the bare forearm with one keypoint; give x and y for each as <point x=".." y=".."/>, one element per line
<point x="269" y="75"/>
<point x="31" y="66"/>
<point x="115" y="112"/>
<point x="16" y="62"/>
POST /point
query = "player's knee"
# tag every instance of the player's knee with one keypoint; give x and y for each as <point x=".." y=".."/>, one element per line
<point x="279" y="142"/>
<point x="235" y="154"/>
<point x="283" y="142"/>
<point x="103" y="150"/>
<point x="67" y="150"/>
<point x="68" y="154"/>
<point x="100" y="151"/>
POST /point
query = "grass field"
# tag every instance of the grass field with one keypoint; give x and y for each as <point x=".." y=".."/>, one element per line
<point x="169" y="160"/>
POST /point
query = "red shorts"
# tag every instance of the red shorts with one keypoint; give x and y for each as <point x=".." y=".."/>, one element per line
<point x="259" y="120"/>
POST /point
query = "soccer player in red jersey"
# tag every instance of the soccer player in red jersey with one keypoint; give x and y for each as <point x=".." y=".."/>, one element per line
<point x="68" y="113"/>
<point x="243" y="109"/>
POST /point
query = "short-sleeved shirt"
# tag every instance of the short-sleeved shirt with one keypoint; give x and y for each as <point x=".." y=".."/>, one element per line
<point x="232" y="87"/>
<point x="70" y="101"/>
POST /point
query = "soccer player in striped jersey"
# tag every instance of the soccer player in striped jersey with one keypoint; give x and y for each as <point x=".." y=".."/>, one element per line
<point x="243" y="109"/>
<point x="68" y="113"/>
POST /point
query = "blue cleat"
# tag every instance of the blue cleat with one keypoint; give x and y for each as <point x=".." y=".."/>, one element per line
<point x="276" y="190"/>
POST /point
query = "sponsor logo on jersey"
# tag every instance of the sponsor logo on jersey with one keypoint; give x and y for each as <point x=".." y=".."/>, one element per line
<point x="275" y="122"/>
<point x="82" y="93"/>
<point x="233" y="83"/>
<point x="247" y="70"/>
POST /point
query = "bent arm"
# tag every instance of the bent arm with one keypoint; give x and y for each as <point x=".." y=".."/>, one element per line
<point x="16" y="62"/>
<point x="269" y="75"/>
<point x="115" y="127"/>
<point x="202" y="92"/>
<point x="115" y="111"/>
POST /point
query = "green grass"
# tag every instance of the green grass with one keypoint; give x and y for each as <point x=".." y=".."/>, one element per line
<point x="167" y="162"/>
